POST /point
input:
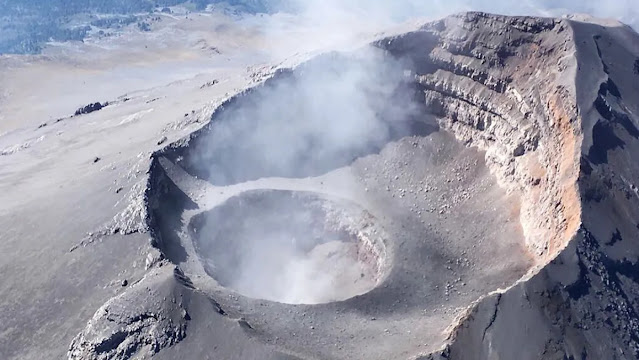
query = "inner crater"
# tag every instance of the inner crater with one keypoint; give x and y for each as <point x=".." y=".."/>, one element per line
<point x="290" y="247"/>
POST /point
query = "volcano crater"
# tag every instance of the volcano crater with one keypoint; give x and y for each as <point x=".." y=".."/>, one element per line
<point x="290" y="247"/>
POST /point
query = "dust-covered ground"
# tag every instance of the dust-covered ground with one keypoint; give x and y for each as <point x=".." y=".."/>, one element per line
<point x="220" y="188"/>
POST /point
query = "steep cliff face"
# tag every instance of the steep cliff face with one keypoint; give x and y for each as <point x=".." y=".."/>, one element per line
<point x="556" y="113"/>
<point x="506" y="85"/>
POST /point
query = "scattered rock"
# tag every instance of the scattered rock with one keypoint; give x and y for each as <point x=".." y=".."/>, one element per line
<point x="209" y="84"/>
<point x="244" y="324"/>
<point x="90" y="108"/>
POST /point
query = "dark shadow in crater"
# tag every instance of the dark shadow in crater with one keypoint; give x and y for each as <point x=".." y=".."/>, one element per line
<point x="604" y="140"/>
<point x="166" y="204"/>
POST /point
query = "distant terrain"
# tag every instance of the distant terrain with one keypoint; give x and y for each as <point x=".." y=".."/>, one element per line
<point x="26" y="25"/>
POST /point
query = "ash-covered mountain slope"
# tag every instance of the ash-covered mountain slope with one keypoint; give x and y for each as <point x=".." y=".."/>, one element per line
<point x="530" y="252"/>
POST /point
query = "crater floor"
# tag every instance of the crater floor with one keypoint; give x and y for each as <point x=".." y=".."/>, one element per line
<point x="289" y="247"/>
<point x="417" y="190"/>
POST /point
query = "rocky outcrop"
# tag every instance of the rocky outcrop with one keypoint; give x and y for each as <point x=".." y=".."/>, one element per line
<point x="136" y="322"/>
